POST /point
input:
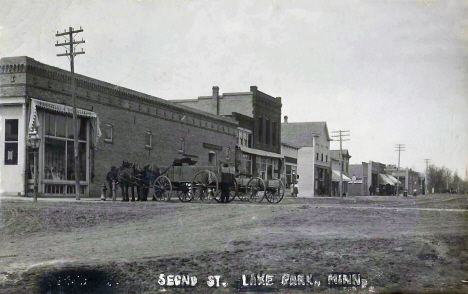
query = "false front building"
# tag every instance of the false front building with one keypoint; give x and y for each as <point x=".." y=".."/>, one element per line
<point x="259" y="132"/>
<point x="114" y="124"/>
<point x="313" y="162"/>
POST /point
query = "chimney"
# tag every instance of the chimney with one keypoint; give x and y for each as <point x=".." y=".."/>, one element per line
<point x="285" y="119"/>
<point x="215" y="92"/>
<point x="253" y="89"/>
<point x="215" y="100"/>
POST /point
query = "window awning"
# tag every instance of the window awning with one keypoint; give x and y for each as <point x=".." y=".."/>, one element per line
<point x="260" y="152"/>
<point x="385" y="180"/>
<point x="336" y="177"/>
<point x="33" y="122"/>
<point x="394" y="180"/>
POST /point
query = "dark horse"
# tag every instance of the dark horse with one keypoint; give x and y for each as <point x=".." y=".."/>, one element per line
<point x="126" y="176"/>
<point x="131" y="176"/>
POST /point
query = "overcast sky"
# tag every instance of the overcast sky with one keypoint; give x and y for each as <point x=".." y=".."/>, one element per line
<point x="390" y="71"/>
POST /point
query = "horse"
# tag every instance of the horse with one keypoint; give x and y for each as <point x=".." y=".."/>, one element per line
<point x="126" y="179"/>
<point x="131" y="176"/>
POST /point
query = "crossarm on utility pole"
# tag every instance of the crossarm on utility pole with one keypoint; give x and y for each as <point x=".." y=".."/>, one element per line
<point x="341" y="134"/>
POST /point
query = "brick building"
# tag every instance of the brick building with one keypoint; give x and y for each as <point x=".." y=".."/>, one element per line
<point x="116" y="124"/>
<point x="259" y="133"/>
<point x="313" y="163"/>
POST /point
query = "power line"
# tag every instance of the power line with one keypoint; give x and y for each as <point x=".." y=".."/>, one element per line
<point x="71" y="44"/>
<point x="399" y="148"/>
<point x="341" y="134"/>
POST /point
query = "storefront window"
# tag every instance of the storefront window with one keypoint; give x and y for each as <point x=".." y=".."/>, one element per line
<point x="246" y="164"/>
<point x="291" y="172"/>
<point x="11" y="142"/>
<point x="59" y="160"/>
<point x="266" y="167"/>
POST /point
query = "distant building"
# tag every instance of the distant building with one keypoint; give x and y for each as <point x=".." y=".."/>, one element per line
<point x="259" y="133"/>
<point x="313" y="164"/>
<point x="337" y="157"/>
<point x="359" y="186"/>
<point x="371" y="179"/>
<point x="410" y="180"/>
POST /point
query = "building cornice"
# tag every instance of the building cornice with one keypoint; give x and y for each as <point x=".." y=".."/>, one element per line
<point x="23" y="64"/>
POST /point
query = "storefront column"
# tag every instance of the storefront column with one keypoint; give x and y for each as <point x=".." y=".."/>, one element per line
<point x="24" y="151"/>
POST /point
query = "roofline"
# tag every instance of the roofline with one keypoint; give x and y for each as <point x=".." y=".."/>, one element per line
<point x="290" y="145"/>
<point x="24" y="64"/>
<point x="312" y="122"/>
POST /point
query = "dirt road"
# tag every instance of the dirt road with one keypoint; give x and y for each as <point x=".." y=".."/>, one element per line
<point x="414" y="243"/>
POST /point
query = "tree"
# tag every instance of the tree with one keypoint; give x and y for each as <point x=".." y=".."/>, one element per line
<point x="457" y="182"/>
<point x="441" y="178"/>
<point x="447" y="176"/>
<point x="435" y="178"/>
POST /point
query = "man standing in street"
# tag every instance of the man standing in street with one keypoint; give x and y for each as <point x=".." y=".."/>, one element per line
<point x="227" y="180"/>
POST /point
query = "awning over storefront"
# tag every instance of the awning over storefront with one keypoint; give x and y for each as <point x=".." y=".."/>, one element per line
<point x="336" y="177"/>
<point x="394" y="180"/>
<point x="260" y="152"/>
<point x="385" y="180"/>
<point x="33" y="122"/>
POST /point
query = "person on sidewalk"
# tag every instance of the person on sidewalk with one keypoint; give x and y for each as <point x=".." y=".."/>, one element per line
<point x="295" y="191"/>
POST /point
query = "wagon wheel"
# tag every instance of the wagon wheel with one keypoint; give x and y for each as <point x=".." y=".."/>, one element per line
<point x="242" y="190"/>
<point x="232" y="193"/>
<point x="275" y="194"/>
<point x="185" y="192"/>
<point x="204" y="185"/>
<point x="256" y="190"/>
<point x="162" y="189"/>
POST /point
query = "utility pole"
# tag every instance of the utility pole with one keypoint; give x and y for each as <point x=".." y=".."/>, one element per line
<point x="399" y="148"/>
<point x="447" y="173"/>
<point x="69" y="36"/>
<point x="427" y="161"/>
<point x="341" y="134"/>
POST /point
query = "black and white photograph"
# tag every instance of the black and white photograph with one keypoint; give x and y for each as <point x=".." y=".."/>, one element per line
<point x="233" y="146"/>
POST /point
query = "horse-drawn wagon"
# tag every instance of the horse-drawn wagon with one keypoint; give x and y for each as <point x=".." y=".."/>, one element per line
<point x="192" y="182"/>
<point x="255" y="189"/>
<point x="204" y="183"/>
